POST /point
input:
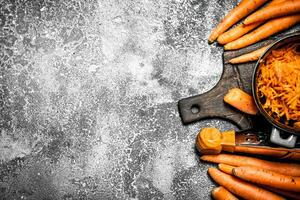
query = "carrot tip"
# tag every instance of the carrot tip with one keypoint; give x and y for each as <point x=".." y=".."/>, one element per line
<point x="246" y="22"/>
<point x="227" y="48"/>
<point x="231" y="61"/>
<point x="202" y="157"/>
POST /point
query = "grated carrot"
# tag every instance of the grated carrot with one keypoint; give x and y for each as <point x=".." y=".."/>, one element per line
<point x="278" y="84"/>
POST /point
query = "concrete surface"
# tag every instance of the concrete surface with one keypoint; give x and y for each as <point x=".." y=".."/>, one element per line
<point x="89" y="93"/>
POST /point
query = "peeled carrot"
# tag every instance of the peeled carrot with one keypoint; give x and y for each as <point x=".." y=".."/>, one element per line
<point x="236" y="32"/>
<point x="220" y="193"/>
<point x="291" y="169"/>
<point x="267" y="177"/>
<point x="248" y="57"/>
<point x="269" y="28"/>
<point x="226" y="168"/>
<point x="277" y="10"/>
<point x="244" y="8"/>
<point x="241" y="188"/>
<point x="241" y="100"/>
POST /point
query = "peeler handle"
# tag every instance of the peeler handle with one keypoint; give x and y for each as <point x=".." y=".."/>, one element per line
<point x="212" y="141"/>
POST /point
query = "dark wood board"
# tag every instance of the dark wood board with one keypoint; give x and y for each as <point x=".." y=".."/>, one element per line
<point x="211" y="104"/>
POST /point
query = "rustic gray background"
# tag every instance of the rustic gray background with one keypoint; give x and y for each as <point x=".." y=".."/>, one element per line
<point x="89" y="93"/>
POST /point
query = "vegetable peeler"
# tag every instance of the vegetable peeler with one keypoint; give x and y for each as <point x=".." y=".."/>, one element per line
<point x="212" y="141"/>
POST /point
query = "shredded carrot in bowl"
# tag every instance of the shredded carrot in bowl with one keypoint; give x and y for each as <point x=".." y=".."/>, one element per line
<point x="278" y="84"/>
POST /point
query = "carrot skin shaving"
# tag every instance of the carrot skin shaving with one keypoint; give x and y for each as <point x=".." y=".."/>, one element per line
<point x="269" y="28"/>
<point x="220" y="193"/>
<point x="241" y="188"/>
<point x="267" y="177"/>
<point x="244" y="8"/>
<point x="252" y="56"/>
<point x="280" y="9"/>
<point x="291" y="169"/>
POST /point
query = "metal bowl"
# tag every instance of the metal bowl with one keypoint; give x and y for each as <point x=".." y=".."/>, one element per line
<point x="294" y="38"/>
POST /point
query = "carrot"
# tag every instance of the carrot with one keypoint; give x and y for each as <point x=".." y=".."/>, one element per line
<point x="269" y="28"/>
<point x="240" y="11"/>
<point x="291" y="169"/>
<point x="297" y="125"/>
<point x="267" y="177"/>
<point x="276" y="2"/>
<point x="236" y="32"/>
<point x="248" y="57"/>
<point x="220" y="193"/>
<point x="292" y="156"/>
<point x="274" y="152"/>
<point x="241" y="188"/>
<point x="277" y="10"/>
<point x="290" y="195"/>
<point x="226" y="168"/>
<point x="241" y="100"/>
<point x="242" y="29"/>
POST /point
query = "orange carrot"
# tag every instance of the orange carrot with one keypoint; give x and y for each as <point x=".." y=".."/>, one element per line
<point x="220" y="193"/>
<point x="267" y="177"/>
<point x="241" y="188"/>
<point x="297" y="125"/>
<point x="275" y="2"/>
<point x="226" y="168"/>
<point x="291" y="169"/>
<point x="248" y="57"/>
<point x="277" y="10"/>
<point x="236" y="32"/>
<point x="269" y="28"/>
<point x="244" y="8"/>
<point x="241" y="100"/>
<point x="290" y="195"/>
<point x="242" y="29"/>
<point x="274" y="152"/>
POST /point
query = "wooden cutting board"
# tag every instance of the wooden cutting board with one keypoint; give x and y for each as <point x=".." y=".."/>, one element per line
<point x="211" y="105"/>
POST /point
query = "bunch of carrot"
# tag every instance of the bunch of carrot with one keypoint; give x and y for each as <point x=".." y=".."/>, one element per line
<point x="276" y="16"/>
<point x="253" y="178"/>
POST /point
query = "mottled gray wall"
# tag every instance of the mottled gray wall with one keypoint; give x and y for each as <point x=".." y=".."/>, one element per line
<point x="89" y="93"/>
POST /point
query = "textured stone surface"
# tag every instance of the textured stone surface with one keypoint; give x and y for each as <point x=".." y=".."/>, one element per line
<point x="89" y="93"/>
